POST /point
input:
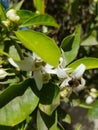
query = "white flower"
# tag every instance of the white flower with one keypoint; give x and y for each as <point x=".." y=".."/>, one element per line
<point x="13" y="63"/>
<point x="79" y="71"/>
<point x="12" y="15"/>
<point x="93" y="93"/>
<point x="89" y="100"/>
<point x="3" y="73"/>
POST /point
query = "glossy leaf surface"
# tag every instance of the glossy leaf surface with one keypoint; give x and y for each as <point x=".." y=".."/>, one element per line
<point x="39" y="4"/>
<point x="24" y="15"/>
<point x="2" y="13"/>
<point x="70" y="45"/>
<point x="42" y="19"/>
<point x="18" y="102"/>
<point x="41" y="44"/>
<point x="89" y="62"/>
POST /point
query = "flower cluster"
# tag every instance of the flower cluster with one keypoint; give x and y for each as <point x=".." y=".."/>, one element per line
<point x="43" y="72"/>
<point x="11" y="17"/>
<point x="92" y="95"/>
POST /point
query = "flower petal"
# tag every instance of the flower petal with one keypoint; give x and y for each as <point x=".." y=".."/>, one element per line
<point x="79" y="71"/>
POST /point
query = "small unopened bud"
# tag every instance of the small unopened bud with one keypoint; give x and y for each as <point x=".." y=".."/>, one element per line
<point x="93" y="94"/>
<point x="89" y="100"/>
<point x="93" y="90"/>
<point x="3" y="73"/>
<point x="6" y="23"/>
<point x="12" y="16"/>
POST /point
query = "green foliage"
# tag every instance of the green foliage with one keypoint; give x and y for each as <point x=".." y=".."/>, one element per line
<point x="42" y="19"/>
<point x="40" y="5"/>
<point x="2" y="14"/>
<point x="36" y="74"/>
<point x="70" y="45"/>
<point x="20" y="100"/>
<point x="89" y="62"/>
<point x="93" y="113"/>
<point x="41" y="44"/>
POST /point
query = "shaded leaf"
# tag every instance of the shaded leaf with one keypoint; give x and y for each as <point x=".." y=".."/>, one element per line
<point x="40" y="122"/>
<point x="41" y="44"/>
<point x="13" y="53"/>
<point x="90" y="40"/>
<point x="49" y="98"/>
<point x="89" y="62"/>
<point x="93" y="113"/>
<point x="42" y="19"/>
<point x="45" y="122"/>
<point x="70" y="45"/>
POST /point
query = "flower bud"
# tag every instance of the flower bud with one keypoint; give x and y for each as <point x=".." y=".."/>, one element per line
<point x="12" y="16"/>
<point x="93" y="90"/>
<point x="89" y="100"/>
<point x="3" y="73"/>
<point x="6" y="23"/>
<point x="93" y="94"/>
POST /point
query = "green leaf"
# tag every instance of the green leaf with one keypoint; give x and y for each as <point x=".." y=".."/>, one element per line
<point x="90" y="40"/>
<point x="2" y="12"/>
<point x="24" y="15"/>
<point x="13" y="53"/>
<point x="18" y="103"/>
<point x="89" y="62"/>
<point x="70" y="45"/>
<point x="39" y="4"/>
<point x="67" y="119"/>
<point x="41" y="44"/>
<point x="40" y="122"/>
<point x="49" y="98"/>
<point x="93" y="113"/>
<point x="18" y="5"/>
<point x="42" y="19"/>
<point x="79" y="126"/>
<point x="45" y="122"/>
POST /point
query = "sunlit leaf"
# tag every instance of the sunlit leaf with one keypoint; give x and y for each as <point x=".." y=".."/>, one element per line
<point x="89" y="62"/>
<point x="18" y="102"/>
<point x="25" y="15"/>
<point x="18" y="5"/>
<point x="42" y="19"/>
<point x="70" y="45"/>
<point x="41" y="44"/>
<point x="40" y="5"/>
<point x="2" y="12"/>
